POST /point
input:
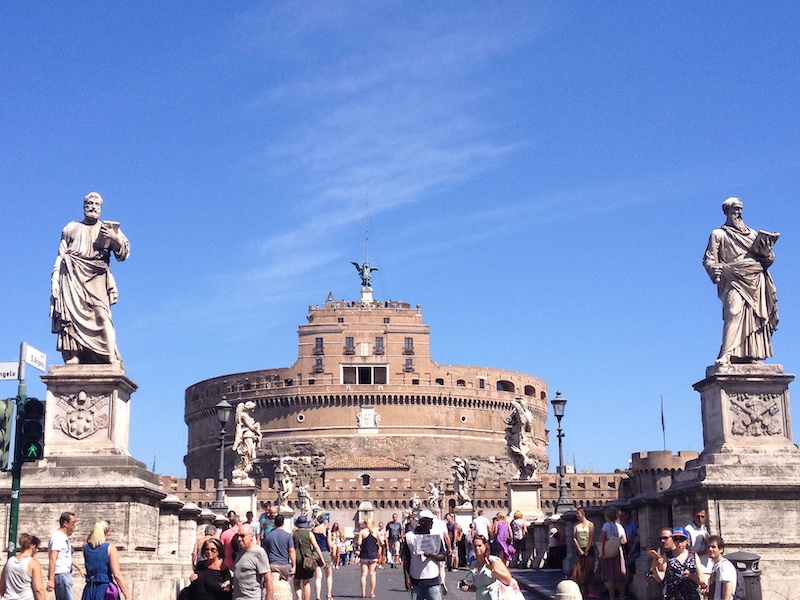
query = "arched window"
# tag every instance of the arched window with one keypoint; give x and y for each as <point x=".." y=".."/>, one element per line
<point x="530" y="390"/>
<point x="365" y="479"/>
<point x="505" y="386"/>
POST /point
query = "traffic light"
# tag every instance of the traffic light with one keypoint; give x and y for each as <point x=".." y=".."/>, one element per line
<point x="6" y="427"/>
<point x="30" y="431"/>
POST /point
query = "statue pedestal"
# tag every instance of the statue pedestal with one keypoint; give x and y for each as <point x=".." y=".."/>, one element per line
<point x="748" y="474"/>
<point x="88" y="470"/>
<point x="464" y="515"/>
<point x="88" y="411"/>
<point x="242" y="498"/>
<point x="525" y="495"/>
<point x="745" y="410"/>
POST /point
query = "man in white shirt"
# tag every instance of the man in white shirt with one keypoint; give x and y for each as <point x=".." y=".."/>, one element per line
<point x="61" y="559"/>
<point x="439" y="527"/>
<point x="481" y="524"/>
<point x="723" y="572"/>
<point x="697" y="530"/>
<point x="425" y="553"/>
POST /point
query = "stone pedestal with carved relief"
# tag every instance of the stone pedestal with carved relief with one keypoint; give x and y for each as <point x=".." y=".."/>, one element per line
<point x="88" y="411"/>
<point x="748" y="475"/>
<point x="88" y="470"/>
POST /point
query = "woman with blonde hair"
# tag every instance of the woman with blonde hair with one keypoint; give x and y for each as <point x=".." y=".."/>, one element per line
<point x="519" y="531"/>
<point x="612" y="563"/>
<point x="22" y="575"/>
<point x="102" y="565"/>
<point x="583" y="539"/>
<point x="368" y="542"/>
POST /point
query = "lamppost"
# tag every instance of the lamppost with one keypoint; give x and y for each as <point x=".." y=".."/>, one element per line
<point x="223" y="409"/>
<point x="562" y="504"/>
<point x="473" y="473"/>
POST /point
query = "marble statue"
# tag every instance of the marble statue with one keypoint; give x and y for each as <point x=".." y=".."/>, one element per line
<point x="435" y="497"/>
<point x="285" y="476"/>
<point x="461" y="482"/>
<point x="365" y="272"/>
<point x="737" y="259"/>
<point x="83" y="289"/>
<point x="307" y="504"/>
<point x="520" y="440"/>
<point x="245" y="443"/>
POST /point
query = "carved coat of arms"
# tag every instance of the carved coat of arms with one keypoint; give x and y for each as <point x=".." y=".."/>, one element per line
<point x="82" y="414"/>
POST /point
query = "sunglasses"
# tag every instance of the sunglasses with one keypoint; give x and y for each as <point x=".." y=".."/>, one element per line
<point x="679" y="539"/>
<point x="209" y="549"/>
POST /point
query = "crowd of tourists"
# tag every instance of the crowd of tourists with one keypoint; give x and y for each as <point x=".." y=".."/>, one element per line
<point x="259" y="559"/>
<point x="689" y="563"/>
<point x="262" y="560"/>
<point x="22" y="577"/>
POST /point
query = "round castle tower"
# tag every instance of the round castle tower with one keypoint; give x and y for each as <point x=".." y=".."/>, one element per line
<point x="364" y="390"/>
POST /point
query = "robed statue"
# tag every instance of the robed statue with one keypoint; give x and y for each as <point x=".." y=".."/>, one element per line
<point x="737" y="259"/>
<point x="245" y="443"/>
<point x="83" y="288"/>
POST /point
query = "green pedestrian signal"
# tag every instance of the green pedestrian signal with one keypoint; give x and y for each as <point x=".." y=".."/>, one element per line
<point x="30" y="431"/>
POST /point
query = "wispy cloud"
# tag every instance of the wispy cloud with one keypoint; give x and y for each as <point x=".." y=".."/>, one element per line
<point x="399" y="111"/>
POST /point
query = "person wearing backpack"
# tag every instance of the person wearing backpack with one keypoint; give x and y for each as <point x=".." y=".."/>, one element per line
<point x="724" y="584"/>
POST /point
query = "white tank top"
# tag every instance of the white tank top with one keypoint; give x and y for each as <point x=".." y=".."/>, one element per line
<point x="18" y="579"/>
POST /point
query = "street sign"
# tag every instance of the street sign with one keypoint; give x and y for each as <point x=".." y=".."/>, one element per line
<point x="34" y="358"/>
<point x="9" y="370"/>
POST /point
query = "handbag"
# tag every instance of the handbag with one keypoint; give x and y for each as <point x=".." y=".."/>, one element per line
<point x="309" y="564"/>
<point x="609" y="548"/>
<point x="112" y="591"/>
<point x="500" y="591"/>
<point x="310" y="561"/>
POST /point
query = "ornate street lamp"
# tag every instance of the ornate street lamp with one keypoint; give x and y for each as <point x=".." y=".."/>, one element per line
<point x="562" y="504"/>
<point x="473" y="473"/>
<point x="223" y="409"/>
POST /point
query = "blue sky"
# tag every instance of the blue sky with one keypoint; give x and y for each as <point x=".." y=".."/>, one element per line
<point x="542" y="178"/>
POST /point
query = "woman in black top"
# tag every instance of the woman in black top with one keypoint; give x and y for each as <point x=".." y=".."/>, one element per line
<point x="211" y="581"/>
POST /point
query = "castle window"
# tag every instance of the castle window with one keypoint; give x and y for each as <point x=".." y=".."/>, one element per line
<point x="385" y="320"/>
<point x="364" y="375"/>
<point x="340" y="319"/>
<point x="408" y="347"/>
<point x="530" y="390"/>
<point x="505" y="386"/>
<point x="379" y="345"/>
<point x="349" y="346"/>
<point x="461" y="383"/>
<point x="318" y="349"/>
<point x="318" y="368"/>
<point x="365" y="479"/>
<point x="409" y="365"/>
<point x="481" y="383"/>
<point x="439" y="381"/>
